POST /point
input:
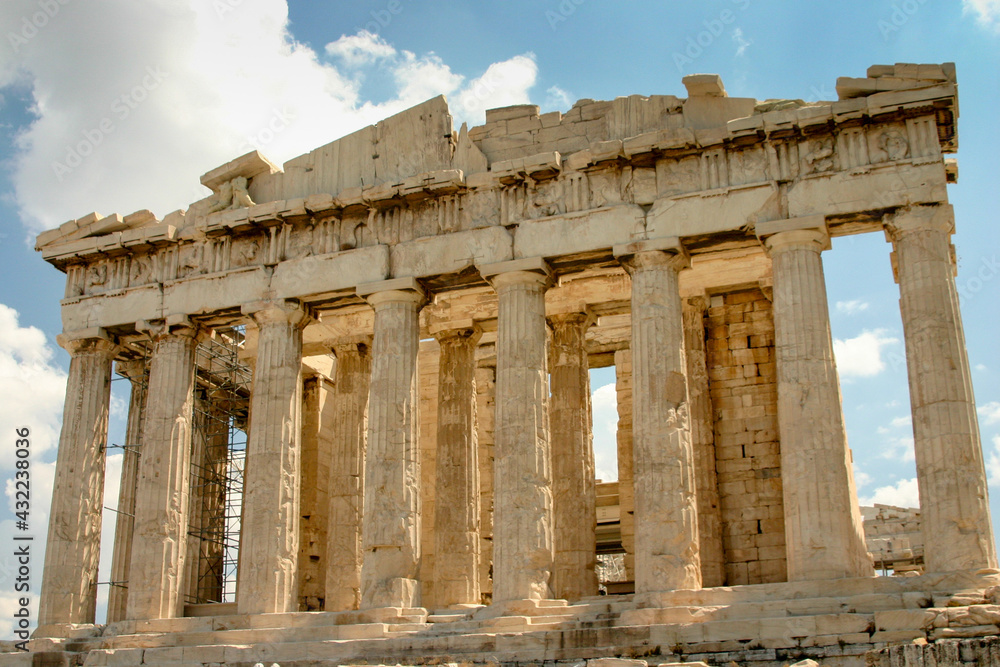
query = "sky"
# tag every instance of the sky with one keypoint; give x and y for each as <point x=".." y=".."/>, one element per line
<point x="118" y="105"/>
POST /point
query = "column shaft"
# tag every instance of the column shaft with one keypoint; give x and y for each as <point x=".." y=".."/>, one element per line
<point x="391" y="524"/>
<point x="317" y="454"/>
<point x="713" y="559"/>
<point x="626" y="488"/>
<point x="823" y="530"/>
<point x="486" y="377"/>
<point x="159" y="538"/>
<point x="666" y="515"/>
<point x="954" y="501"/>
<point x="69" y="591"/>
<point x="347" y="466"/>
<point x="135" y="371"/>
<point x="522" y="524"/>
<point x="269" y="537"/>
<point x="574" y="493"/>
<point x="456" y="496"/>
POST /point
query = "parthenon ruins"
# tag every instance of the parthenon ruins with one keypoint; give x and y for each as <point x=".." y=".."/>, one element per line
<point x="360" y="425"/>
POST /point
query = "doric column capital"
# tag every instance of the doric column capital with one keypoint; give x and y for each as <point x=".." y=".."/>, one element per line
<point x="397" y="290"/>
<point x="88" y="340"/>
<point x="902" y="221"/>
<point x="808" y="233"/>
<point x="653" y="253"/>
<point x="530" y="271"/>
<point x="360" y="345"/>
<point x="464" y="330"/>
<point x="584" y="317"/>
<point x="279" y="311"/>
<point x="696" y="303"/>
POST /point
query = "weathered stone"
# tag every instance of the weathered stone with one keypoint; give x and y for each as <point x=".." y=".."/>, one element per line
<point x="268" y="567"/>
<point x="950" y="473"/>
<point x="159" y="540"/>
<point x="456" y="516"/>
<point x="391" y="523"/>
<point x="522" y="511"/>
<point x="822" y="521"/>
<point x="69" y="582"/>
<point x="573" y="491"/>
<point x="347" y="479"/>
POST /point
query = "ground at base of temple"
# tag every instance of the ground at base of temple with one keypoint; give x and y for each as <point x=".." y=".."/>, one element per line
<point x="882" y="622"/>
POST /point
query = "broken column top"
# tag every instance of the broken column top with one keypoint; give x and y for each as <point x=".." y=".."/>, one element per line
<point x="704" y="85"/>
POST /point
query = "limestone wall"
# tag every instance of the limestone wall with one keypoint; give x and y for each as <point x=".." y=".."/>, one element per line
<point x="742" y="384"/>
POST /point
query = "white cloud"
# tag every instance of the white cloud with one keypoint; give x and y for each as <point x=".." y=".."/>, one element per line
<point x="993" y="463"/>
<point x="898" y="448"/>
<point x="558" y="99"/>
<point x="990" y="413"/>
<point x="503" y="84"/>
<point x="901" y="421"/>
<point x="902" y="494"/>
<point x="861" y="356"/>
<point x="987" y="12"/>
<point x="32" y="387"/>
<point x="980" y="367"/>
<point x="118" y="130"/>
<point x="852" y="307"/>
<point x="360" y="49"/>
<point x="741" y="42"/>
<point x="604" y="407"/>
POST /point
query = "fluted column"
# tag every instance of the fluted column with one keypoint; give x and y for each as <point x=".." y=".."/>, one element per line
<point x="69" y="579"/>
<point x="162" y="506"/>
<point x="135" y="371"/>
<point x="522" y="511"/>
<point x="486" y="378"/>
<point x="666" y="513"/>
<point x="269" y="536"/>
<point x="349" y="425"/>
<point x="713" y="558"/>
<point x="574" y="494"/>
<point x="823" y="532"/>
<point x="391" y="525"/>
<point x="626" y="484"/>
<point x="954" y="501"/>
<point x="317" y="454"/>
<point x="456" y="491"/>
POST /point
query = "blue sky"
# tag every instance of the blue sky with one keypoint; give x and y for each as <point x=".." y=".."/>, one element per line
<point x="116" y="106"/>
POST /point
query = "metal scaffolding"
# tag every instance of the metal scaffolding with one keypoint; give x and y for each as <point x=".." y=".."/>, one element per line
<point x="218" y="459"/>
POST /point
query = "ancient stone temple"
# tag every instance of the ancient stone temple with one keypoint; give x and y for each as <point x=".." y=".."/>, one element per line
<point x="360" y="426"/>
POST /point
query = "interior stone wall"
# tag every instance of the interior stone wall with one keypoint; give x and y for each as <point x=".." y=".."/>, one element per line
<point x="743" y="388"/>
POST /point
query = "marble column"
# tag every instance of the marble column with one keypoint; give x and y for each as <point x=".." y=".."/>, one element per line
<point x="626" y="484"/>
<point x="349" y="426"/>
<point x="391" y="525"/>
<point x="666" y="514"/>
<point x="317" y="453"/>
<point x="456" y="490"/>
<point x="713" y="558"/>
<point x="269" y="536"/>
<point x="135" y="371"/>
<point x="69" y="579"/>
<point x="522" y="512"/>
<point x="823" y="531"/>
<point x="486" y="379"/>
<point x="162" y="506"/>
<point x="574" y="493"/>
<point x="954" y="502"/>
